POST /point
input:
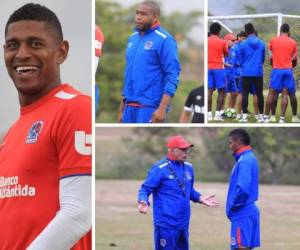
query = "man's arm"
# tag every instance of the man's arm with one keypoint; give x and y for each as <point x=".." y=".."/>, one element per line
<point x="243" y="185"/>
<point x="207" y="200"/>
<point x="185" y="116"/>
<point x="170" y="65"/>
<point x="160" y="114"/>
<point x="150" y="184"/>
<point x="120" y="111"/>
<point x="264" y="52"/>
<point x="73" y="220"/>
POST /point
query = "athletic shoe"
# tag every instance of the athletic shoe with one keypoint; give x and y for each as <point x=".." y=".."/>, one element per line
<point x="209" y="116"/>
<point x="273" y="118"/>
<point x="295" y="119"/>
<point x="218" y="119"/>
<point x="281" y="120"/>
<point x="243" y="120"/>
<point x="260" y="118"/>
<point x="238" y="117"/>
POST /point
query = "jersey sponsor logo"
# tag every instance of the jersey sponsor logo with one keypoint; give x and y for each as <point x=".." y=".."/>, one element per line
<point x="188" y="175"/>
<point x="34" y="132"/>
<point x="83" y="143"/>
<point x="129" y="45"/>
<point x="148" y="45"/>
<point x="163" y="242"/>
<point x="10" y="187"/>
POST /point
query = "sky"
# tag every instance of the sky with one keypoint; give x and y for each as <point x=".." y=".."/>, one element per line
<point x="75" y="17"/>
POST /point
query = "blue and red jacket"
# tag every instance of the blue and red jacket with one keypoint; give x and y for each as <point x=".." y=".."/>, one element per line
<point x="243" y="186"/>
<point x="152" y="67"/>
<point x="252" y="52"/>
<point x="171" y="201"/>
<point x="230" y="59"/>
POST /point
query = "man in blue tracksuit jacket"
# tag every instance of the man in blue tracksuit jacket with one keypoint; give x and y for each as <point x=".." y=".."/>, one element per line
<point x="171" y="182"/>
<point x="252" y="52"/>
<point x="243" y="193"/>
<point x="152" y="69"/>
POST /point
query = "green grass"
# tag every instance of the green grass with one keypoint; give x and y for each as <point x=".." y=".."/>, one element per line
<point x="251" y="109"/>
<point x="119" y="223"/>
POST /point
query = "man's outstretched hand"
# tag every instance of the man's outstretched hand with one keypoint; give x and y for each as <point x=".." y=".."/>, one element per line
<point x="208" y="200"/>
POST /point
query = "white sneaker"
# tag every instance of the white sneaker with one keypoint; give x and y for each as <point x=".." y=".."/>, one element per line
<point x="273" y="118"/>
<point x="238" y="116"/>
<point x="243" y="120"/>
<point x="209" y="116"/>
<point x="218" y="119"/>
<point x="295" y="119"/>
<point x="260" y="118"/>
<point x="281" y="120"/>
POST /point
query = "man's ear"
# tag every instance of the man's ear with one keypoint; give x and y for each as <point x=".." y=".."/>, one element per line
<point x="63" y="50"/>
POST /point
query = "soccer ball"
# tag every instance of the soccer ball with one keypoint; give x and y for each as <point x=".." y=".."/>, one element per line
<point x="231" y="113"/>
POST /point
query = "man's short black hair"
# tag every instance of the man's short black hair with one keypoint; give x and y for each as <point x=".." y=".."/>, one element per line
<point x="240" y="134"/>
<point x="249" y="28"/>
<point x="242" y="34"/>
<point x="153" y="5"/>
<point x="285" y="28"/>
<point x="215" y="28"/>
<point x="36" y="12"/>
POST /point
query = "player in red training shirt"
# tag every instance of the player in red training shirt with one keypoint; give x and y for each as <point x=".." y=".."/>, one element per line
<point x="283" y="50"/>
<point x="45" y="158"/>
<point x="217" y="49"/>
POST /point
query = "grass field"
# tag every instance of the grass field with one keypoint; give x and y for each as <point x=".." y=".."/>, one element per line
<point x="120" y="226"/>
<point x="251" y="110"/>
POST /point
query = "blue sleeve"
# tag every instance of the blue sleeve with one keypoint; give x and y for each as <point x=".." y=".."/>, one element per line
<point x="150" y="184"/>
<point x="170" y="65"/>
<point x="194" y="196"/>
<point x="237" y="57"/>
<point x="243" y="185"/>
<point x="264" y="52"/>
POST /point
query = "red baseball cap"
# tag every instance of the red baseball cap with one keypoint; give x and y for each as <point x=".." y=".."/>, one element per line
<point x="178" y="141"/>
<point x="229" y="37"/>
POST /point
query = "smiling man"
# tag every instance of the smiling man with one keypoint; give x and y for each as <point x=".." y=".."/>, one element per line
<point x="171" y="182"/>
<point x="152" y="69"/>
<point x="45" y="158"/>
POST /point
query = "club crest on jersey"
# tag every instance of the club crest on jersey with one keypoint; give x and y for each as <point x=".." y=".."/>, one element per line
<point x="163" y="242"/>
<point x="148" y="45"/>
<point x="232" y="242"/>
<point x="188" y="175"/>
<point x="34" y="132"/>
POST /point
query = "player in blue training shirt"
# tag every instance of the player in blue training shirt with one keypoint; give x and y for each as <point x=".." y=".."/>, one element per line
<point x="243" y="193"/>
<point x="252" y="52"/>
<point x="171" y="182"/>
<point x="152" y="69"/>
<point x="230" y="59"/>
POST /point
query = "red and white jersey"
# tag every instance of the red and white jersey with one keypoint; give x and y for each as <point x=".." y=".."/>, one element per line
<point x="99" y="40"/>
<point x="217" y="49"/>
<point x="284" y="50"/>
<point x="50" y="140"/>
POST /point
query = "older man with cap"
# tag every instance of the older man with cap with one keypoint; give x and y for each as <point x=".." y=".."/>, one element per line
<point x="171" y="181"/>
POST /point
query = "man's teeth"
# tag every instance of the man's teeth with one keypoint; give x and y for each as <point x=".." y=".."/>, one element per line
<point x="21" y="69"/>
